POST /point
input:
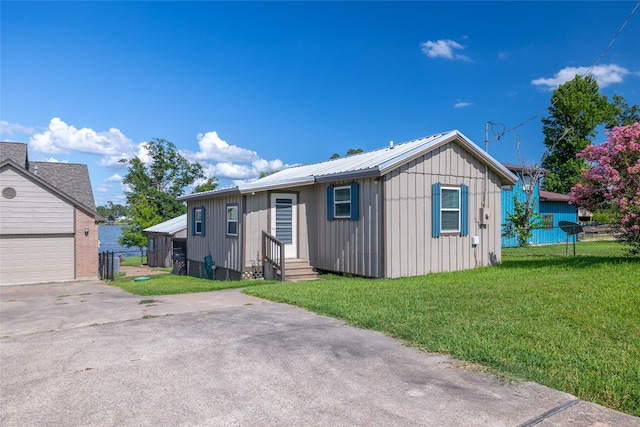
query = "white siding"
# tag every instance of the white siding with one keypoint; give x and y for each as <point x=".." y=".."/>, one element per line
<point x="34" y="210"/>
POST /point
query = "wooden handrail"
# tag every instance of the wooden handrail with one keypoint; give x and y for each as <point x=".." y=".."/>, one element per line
<point x="273" y="252"/>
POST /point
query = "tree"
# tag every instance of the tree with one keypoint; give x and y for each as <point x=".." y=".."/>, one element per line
<point x="112" y="211"/>
<point x="208" y="185"/>
<point x="576" y="110"/>
<point x="613" y="180"/>
<point x="350" y="152"/>
<point x="144" y="215"/>
<point x="154" y="187"/>
<point x="524" y="219"/>
<point x="163" y="179"/>
<point x="576" y="107"/>
<point x="521" y="222"/>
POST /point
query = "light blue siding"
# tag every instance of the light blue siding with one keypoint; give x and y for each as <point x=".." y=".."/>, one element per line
<point x="561" y="211"/>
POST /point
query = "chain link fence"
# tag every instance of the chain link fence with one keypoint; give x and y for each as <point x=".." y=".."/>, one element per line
<point x="595" y="240"/>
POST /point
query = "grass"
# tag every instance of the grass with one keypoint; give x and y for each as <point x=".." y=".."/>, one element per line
<point x="133" y="261"/>
<point x="169" y="284"/>
<point x="571" y="323"/>
<point x="602" y="248"/>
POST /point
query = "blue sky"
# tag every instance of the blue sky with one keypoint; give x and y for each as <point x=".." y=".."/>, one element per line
<point x="244" y="87"/>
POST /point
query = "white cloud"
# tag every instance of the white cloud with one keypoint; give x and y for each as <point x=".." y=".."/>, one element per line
<point x="54" y="160"/>
<point x="461" y="104"/>
<point x="10" y="129"/>
<point x="503" y="55"/>
<point x="63" y="138"/>
<point x="443" y="49"/>
<point x="212" y="147"/>
<point x="604" y="75"/>
<point x="114" y="178"/>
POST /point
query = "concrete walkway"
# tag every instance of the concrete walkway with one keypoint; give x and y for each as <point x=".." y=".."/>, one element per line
<point x="80" y="354"/>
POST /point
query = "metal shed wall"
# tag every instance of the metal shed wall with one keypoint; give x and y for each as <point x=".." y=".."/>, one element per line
<point x="410" y="249"/>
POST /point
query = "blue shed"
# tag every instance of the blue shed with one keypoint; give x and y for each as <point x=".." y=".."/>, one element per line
<point x="553" y="207"/>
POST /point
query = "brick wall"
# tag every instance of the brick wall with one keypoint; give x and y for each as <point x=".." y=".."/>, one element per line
<point x="86" y="246"/>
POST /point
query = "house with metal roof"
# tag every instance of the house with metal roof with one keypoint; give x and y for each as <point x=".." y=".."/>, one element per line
<point x="552" y="207"/>
<point x="48" y="220"/>
<point x="164" y="240"/>
<point x="427" y="205"/>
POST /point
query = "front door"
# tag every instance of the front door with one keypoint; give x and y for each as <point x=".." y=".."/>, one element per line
<point x="284" y="221"/>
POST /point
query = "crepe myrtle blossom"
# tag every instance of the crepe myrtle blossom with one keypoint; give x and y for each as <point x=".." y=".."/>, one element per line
<point x="613" y="180"/>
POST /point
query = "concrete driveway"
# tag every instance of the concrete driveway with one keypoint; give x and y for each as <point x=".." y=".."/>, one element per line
<point x="81" y="354"/>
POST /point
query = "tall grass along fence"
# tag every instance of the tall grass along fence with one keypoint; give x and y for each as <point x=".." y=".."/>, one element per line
<point x="592" y="240"/>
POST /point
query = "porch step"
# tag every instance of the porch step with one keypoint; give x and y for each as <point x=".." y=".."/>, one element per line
<point x="297" y="270"/>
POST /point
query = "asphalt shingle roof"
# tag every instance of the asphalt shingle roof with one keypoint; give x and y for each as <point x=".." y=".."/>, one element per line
<point x="71" y="179"/>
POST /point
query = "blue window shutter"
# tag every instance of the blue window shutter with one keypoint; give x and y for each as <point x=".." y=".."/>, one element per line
<point x="435" y="209"/>
<point x="464" y="210"/>
<point x="193" y="221"/>
<point x="330" y="203"/>
<point x="355" y="201"/>
<point x="203" y="216"/>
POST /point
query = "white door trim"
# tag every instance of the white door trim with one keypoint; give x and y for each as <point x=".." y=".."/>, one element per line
<point x="289" y="228"/>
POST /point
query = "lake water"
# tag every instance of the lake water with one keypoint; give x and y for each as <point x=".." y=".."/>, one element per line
<point x="108" y="236"/>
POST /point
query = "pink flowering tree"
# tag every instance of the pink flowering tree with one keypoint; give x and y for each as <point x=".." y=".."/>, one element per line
<point x="613" y="180"/>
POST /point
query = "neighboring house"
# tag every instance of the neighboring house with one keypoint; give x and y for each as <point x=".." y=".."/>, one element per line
<point x="553" y="207"/>
<point x="163" y="239"/>
<point x="48" y="220"/>
<point x="427" y="205"/>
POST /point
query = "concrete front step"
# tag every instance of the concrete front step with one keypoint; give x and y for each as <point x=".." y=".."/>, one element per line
<point x="297" y="270"/>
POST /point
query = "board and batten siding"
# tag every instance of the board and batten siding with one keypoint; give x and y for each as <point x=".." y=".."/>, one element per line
<point x="224" y="250"/>
<point x="48" y="214"/>
<point x="257" y="218"/>
<point x="410" y="249"/>
<point x="343" y="245"/>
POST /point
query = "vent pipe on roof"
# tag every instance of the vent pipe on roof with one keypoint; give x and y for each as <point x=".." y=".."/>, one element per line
<point x="391" y="144"/>
<point x="35" y="170"/>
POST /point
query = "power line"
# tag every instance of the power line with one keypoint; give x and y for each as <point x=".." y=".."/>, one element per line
<point x="588" y="71"/>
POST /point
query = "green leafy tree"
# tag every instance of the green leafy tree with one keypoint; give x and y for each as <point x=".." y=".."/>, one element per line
<point x="350" y="152"/>
<point x="522" y="221"/>
<point x="209" y="185"/>
<point x="112" y="211"/>
<point x="162" y="180"/>
<point x="145" y="215"/>
<point x="576" y="110"/>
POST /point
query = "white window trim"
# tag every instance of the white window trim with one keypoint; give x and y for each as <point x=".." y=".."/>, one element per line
<point x="443" y="209"/>
<point x="229" y="221"/>
<point x="196" y="222"/>
<point x="341" y="202"/>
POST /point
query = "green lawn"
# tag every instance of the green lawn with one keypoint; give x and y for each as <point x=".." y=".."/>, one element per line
<point x="571" y="323"/>
<point x="167" y="284"/>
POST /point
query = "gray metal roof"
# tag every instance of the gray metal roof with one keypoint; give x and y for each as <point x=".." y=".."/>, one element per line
<point x="370" y="164"/>
<point x="171" y="226"/>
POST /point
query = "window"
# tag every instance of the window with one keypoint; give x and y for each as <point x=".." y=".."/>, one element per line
<point x="232" y="220"/>
<point x="547" y="221"/>
<point x="450" y="210"/>
<point x="342" y="202"/>
<point x="197" y="224"/>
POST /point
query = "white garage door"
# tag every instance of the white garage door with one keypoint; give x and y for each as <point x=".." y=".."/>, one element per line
<point x="36" y="259"/>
